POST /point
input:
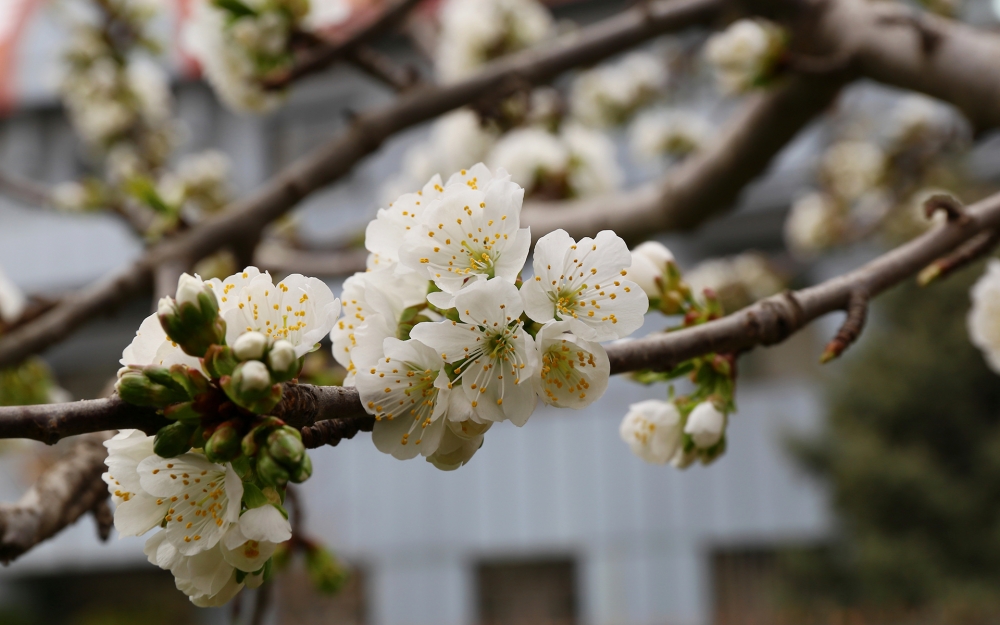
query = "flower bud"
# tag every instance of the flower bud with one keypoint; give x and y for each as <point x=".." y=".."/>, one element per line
<point x="285" y="446"/>
<point x="269" y="471"/>
<point x="224" y="443"/>
<point x="282" y="360"/>
<point x="705" y="425"/>
<point x="188" y="289"/>
<point x="250" y="386"/>
<point x="219" y="360"/>
<point x="303" y="471"/>
<point x="182" y="412"/>
<point x="192" y="321"/>
<point x="250" y="346"/>
<point x="173" y="440"/>
<point x="149" y="386"/>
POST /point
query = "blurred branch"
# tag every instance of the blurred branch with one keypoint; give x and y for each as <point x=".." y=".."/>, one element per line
<point x="24" y="190"/>
<point x="281" y="259"/>
<point x="318" y="58"/>
<point x="67" y="490"/>
<point x="707" y="182"/>
<point x="374" y="63"/>
<point x="246" y="218"/>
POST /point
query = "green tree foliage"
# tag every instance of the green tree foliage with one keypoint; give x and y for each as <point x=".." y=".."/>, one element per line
<point x="911" y="453"/>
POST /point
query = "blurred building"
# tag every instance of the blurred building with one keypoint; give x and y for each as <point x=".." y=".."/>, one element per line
<point x="556" y="522"/>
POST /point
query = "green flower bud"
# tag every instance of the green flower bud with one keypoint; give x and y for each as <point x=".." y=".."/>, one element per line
<point x="250" y="346"/>
<point x="182" y="412"/>
<point x="192" y="320"/>
<point x="224" y="443"/>
<point x="285" y="446"/>
<point x="191" y="379"/>
<point x="250" y="387"/>
<point x="220" y="361"/>
<point x="174" y="439"/>
<point x="269" y="471"/>
<point x="283" y="362"/>
<point x="149" y="386"/>
<point x="302" y="472"/>
<point x="258" y="435"/>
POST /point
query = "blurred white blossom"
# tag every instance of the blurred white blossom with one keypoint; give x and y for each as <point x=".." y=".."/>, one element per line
<point x="743" y="55"/>
<point x="738" y="280"/>
<point x="652" y="429"/>
<point x="609" y="94"/>
<point x="852" y="168"/>
<point x="814" y="224"/>
<point x="984" y="317"/>
<point x="667" y="132"/>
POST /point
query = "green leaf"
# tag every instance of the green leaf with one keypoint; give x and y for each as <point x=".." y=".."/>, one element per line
<point x="144" y="190"/>
<point x="235" y="8"/>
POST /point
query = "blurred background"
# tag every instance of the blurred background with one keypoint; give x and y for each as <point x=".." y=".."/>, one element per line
<point x="865" y="491"/>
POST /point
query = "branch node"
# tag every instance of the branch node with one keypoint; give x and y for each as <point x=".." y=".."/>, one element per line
<point x="952" y="208"/>
<point x="331" y="432"/>
<point x="857" y="312"/>
<point x="930" y="36"/>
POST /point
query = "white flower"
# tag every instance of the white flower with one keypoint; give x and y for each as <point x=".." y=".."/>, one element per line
<point x="384" y="235"/>
<point x="573" y="372"/>
<point x="471" y="230"/>
<point x="984" y="317"/>
<point x="497" y="355"/>
<point x="585" y="281"/>
<point x="852" y="168"/>
<point x="652" y="429"/>
<point x="813" y="224"/>
<point x="649" y="267"/>
<point x="476" y="31"/>
<point x="150" y="85"/>
<point x="152" y="347"/>
<point x="298" y="309"/>
<point x="250" y="346"/>
<point x="593" y="163"/>
<point x="136" y="511"/>
<point x="374" y="303"/>
<point x="221" y="48"/>
<point x="610" y="93"/>
<point x="532" y="156"/>
<point x="201" y="498"/>
<point x="12" y="300"/>
<point x="456" y="139"/>
<point x="459" y="442"/>
<point x="408" y="392"/>
<point x="705" y="424"/>
<point x="742" y="55"/>
<point x="668" y="132"/>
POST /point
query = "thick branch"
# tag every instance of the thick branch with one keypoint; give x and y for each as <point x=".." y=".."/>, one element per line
<point x="27" y="191"/>
<point x="66" y="491"/>
<point x="247" y="217"/>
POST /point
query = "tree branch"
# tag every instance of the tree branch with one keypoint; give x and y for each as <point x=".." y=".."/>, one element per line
<point x="246" y="218"/>
<point x="66" y="491"/>
<point x="319" y="58"/>
<point x="708" y="182"/>
<point x="27" y="191"/>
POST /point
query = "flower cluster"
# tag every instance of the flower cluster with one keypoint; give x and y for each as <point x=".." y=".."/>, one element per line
<point x="240" y="42"/>
<point x="116" y="103"/>
<point x="212" y="360"/>
<point x="443" y="339"/>
<point x="610" y="94"/>
<point x="983" y="328"/>
<point x="745" y="55"/>
<point x="474" y="32"/>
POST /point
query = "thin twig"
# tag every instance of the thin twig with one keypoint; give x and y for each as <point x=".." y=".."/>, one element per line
<point x="979" y="246"/>
<point x="380" y="66"/>
<point x="26" y="191"/>
<point x="319" y="58"/>
<point x="850" y="330"/>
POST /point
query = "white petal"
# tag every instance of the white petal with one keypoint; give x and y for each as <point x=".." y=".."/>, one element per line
<point x="265" y="524"/>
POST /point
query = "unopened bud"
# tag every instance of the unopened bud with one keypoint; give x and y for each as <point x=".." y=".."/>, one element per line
<point x="149" y="386"/>
<point x="250" y="386"/>
<point x="303" y="471"/>
<point x="182" y="412"/>
<point x="192" y="320"/>
<point x="705" y="424"/>
<point x="220" y="361"/>
<point x="254" y="377"/>
<point x="283" y="361"/>
<point x="224" y="443"/>
<point x="285" y="446"/>
<point x="250" y="346"/>
<point x="173" y="440"/>
<point x="269" y="471"/>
